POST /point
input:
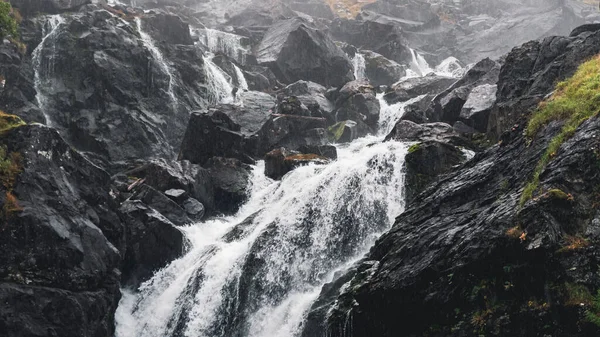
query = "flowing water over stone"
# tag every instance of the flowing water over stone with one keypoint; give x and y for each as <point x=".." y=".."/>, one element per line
<point x="258" y="272"/>
<point x="221" y="42"/>
<point x="220" y="88"/>
<point x="358" y="61"/>
<point x="419" y="65"/>
<point x="158" y="57"/>
<point x="43" y="63"/>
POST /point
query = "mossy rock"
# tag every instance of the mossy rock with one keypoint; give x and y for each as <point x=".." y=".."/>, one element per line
<point x="8" y="122"/>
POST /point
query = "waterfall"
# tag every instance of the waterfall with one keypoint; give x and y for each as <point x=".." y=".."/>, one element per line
<point x="220" y="42"/>
<point x="43" y="63"/>
<point x="220" y="88"/>
<point x="257" y="273"/>
<point x="418" y="64"/>
<point x="158" y="58"/>
<point x="358" y="61"/>
<point x="242" y="83"/>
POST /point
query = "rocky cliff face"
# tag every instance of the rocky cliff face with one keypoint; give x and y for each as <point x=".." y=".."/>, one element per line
<point x="468" y="257"/>
<point x="155" y="112"/>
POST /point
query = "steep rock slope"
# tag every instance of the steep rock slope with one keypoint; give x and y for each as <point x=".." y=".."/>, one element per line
<point x="469" y="258"/>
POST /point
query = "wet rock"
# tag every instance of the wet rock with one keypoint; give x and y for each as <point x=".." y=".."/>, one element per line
<point x="168" y="28"/>
<point x="294" y="51"/>
<point x="231" y="179"/>
<point x="312" y="96"/>
<point x="530" y="72"/>
<point x="347" y="131"/>
<point x="162" y="204"/>
<point x="214" y="133"/>
<point x="447" y="106"/>
<point x="425" y="162"/>
<point x="357" y="101"/>
<point x="193" y="208"/>
<point x="384" y="38"/>
<point x="327" y="151"/>
<point x="152" y="242"/>
<point x="476" y="110"/>
<point x="291" y="132"/>
<point x="281" y="161"/>
<point x="414" y="87"/>
<point x="61" y="239"/>
<point x="165" y="175"/>
<point x="106" y="92"/>
<point x="176" y="195"/>
<point x="418" y="111"/>
<point x="380" y="70"/>
<point x="412" y="132"/>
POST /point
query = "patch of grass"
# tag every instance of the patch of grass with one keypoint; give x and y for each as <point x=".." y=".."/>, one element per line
<point x="336" y="131"/>
<point x="593" y="315"/>
<point x="575" y="101"/>
<point x="574" y="243"/>
<point x="516" y="233"/>
<point x="414" y="148"/>
<point x="8" y="122"/>
<point x="577" y="294"/>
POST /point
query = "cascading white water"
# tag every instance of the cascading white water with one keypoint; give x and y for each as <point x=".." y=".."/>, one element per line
<point x="157" y="55"/>
<point x="220" y="88"/>
<point x="221" y="42"/>
<point x="257" y="273"/>
<point x="242" y="83"/>
<point x="418" y="64"/>
<point x="358" y="61"/>
<point x="43" y="63"/>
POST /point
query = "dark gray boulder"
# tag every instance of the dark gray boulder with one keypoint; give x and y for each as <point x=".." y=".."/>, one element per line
<point x="281" y="161"/>
<point x="357" y="101"/>
<point x="61" y="240"/>
<point x="417" y="86"/>
<point x="231" y="180"/>
<point x="380" y="70"/>
<point x="294" y="51"/>
<point x="412" y="132"/>
<point x="152" y="242"/>
<point x="425" y="162"/>
<point x="162" y="204"/>
<point x="478" y="106"/>
<point x="214" y="133"/>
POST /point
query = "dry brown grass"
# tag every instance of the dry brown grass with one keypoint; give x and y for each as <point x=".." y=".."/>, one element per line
<point x="347" y="8"/>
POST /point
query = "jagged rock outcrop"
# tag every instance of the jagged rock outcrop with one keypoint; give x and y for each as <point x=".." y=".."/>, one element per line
<point x="281" y="161"/>
<point x="61" y="236"/>
<point x="530" y="72"/>
<point x="417" y="86"/>
<point x="380" y="70"/>
<point x="294" y="51"/>
<point x="470" y="255"/>
<point x="356" y="101"/>
<point x="105" y="87"/>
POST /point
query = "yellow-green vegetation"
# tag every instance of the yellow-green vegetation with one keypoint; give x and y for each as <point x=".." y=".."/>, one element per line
<point x="593" y="314"/>
<point x="10" y="168"/>
<point x="575" y="101"/>
<point x="577" y="294"/>
<point x="8" y="122"/>
<point x="336" y="131"/>
<point x="574" y="243"/>
<point x="414" y="148"/>
<point x="8" y="20"/>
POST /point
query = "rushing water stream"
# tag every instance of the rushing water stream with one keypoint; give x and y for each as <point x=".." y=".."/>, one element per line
<point x="42" y="59"/>
<point x="257" y="273"/>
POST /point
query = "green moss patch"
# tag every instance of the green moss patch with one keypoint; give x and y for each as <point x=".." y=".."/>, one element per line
<point x="414" y="148"/>
<point x="575" y="101"/>
<point x="8" y="122"/>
